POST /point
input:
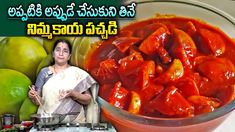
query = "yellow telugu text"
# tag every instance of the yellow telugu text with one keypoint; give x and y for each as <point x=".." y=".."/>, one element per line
<point x="90" y="29"/>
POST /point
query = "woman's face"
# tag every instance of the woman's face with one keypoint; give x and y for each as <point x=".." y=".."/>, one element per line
<point x="61" y="53"/>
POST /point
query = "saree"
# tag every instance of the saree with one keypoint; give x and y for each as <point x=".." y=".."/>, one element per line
<point x="72" y="78"/>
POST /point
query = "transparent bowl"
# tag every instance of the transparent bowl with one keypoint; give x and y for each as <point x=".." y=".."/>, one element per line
<point x="127" y="122"/>
<point x="124" y="121"/>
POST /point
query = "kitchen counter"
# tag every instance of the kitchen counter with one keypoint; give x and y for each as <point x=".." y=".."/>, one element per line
<point x="101" y="127"/>
<point x="76" y="129"/>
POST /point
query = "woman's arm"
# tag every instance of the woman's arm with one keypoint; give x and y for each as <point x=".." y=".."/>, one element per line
<point x="35" y="92"/>
<point x="83" y="98"/>
<point x="33" y="95"/>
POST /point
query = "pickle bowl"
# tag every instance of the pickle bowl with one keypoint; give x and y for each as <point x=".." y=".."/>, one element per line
<point x="124" y="121"/>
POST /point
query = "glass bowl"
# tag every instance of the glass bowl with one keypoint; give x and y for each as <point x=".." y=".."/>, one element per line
<point x="127" y="122"/>
<point x="124" y="121"/>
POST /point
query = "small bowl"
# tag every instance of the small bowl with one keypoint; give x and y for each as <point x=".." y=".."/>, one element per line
<point x="127" y="122"/>
<point x="27" y="123"/>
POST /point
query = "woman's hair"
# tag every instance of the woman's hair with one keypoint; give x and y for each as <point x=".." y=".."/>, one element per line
<point x="63" y="41"/>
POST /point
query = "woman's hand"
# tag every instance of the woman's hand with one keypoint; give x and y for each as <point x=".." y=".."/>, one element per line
<point x="33" y="95"/>
<point x="64" y="94"/>
<point x="83" y="98"/>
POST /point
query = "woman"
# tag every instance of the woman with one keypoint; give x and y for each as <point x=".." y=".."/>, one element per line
<point x="62" y="88"/>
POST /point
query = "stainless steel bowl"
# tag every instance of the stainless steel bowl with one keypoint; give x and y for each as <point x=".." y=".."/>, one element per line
<point x="46" y="119"/>
<point x="50" y="119"/>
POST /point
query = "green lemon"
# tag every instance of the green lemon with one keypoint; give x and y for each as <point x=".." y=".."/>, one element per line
<point x="48" y="60"/>
<point x="27" y="109"/>
<point x="22" y="54"/>
<point x="13" y="91"/>
<point x="48" y="44"/>
<point x="81" y="47"/>
<point x="1" y="38"/>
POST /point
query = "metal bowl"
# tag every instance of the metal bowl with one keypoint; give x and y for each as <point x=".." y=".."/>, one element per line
<point x="46" y="119"/>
